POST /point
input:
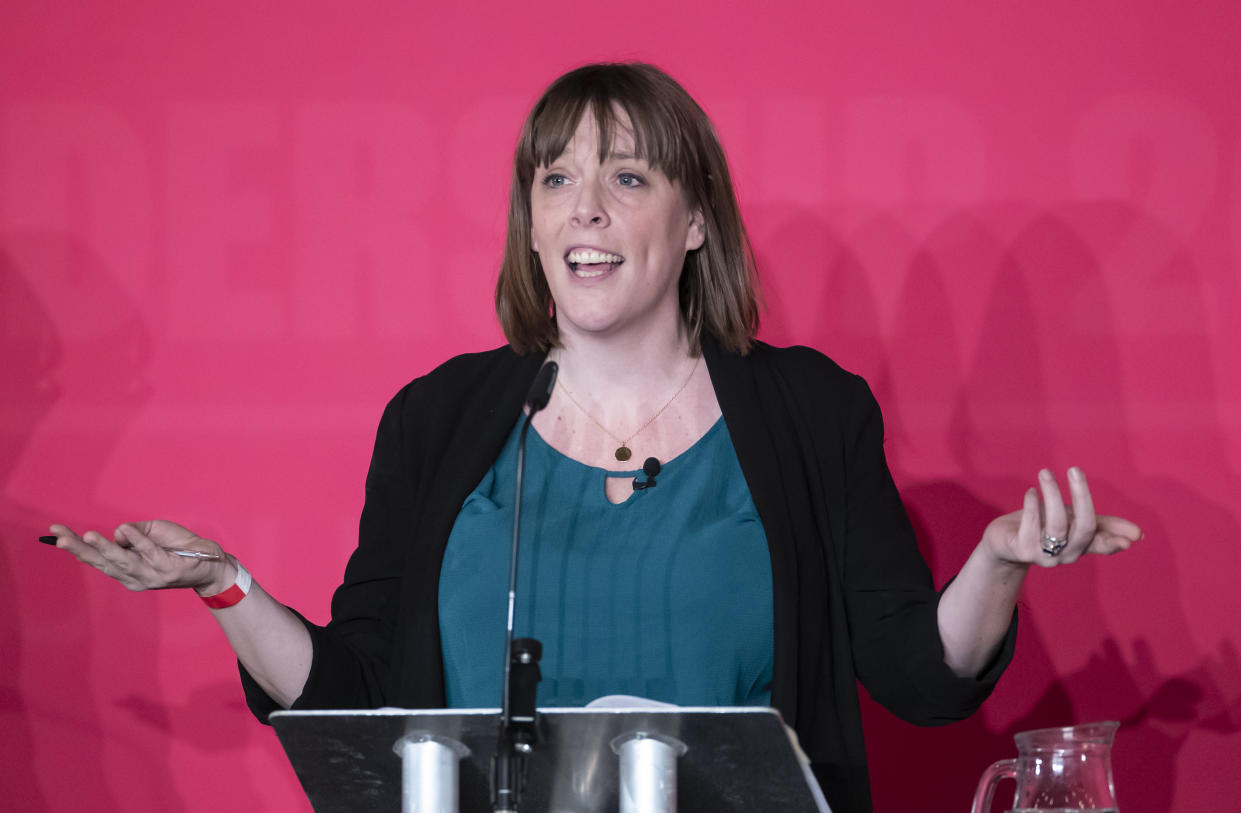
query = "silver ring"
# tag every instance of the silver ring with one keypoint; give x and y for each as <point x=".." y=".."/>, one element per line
<point x="1053" y="545"/>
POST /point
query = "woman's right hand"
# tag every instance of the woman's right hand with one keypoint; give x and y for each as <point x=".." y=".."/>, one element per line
<point x="271" y="641"/>
<point x="138" y="558"/>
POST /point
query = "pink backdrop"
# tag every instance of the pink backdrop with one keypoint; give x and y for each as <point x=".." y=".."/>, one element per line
<point x="228" y="235"/>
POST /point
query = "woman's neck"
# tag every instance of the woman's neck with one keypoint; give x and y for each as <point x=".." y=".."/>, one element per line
<point x="646" y="393"/>
<point x="610" y="367"/>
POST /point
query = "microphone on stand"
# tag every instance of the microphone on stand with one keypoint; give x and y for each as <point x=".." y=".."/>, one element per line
<point x="521" y="657"/>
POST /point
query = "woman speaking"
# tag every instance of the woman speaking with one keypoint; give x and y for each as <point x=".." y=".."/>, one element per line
<point x="769" y="562"/>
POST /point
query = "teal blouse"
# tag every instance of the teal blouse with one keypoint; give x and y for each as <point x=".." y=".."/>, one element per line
<point x="666" y="596"/>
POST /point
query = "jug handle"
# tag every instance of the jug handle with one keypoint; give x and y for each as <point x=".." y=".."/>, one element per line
<point x="998" y="772"/>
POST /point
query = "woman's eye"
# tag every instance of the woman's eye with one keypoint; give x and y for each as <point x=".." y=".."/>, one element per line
<point x="629" y="179"/>
<point x="555" y="180"/>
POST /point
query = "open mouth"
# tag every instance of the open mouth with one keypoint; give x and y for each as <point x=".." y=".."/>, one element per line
<point x="591" y="263"/>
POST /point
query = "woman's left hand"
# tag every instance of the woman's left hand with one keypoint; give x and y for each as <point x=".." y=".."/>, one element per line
<point x="1049" y="533"/>
<point x="975" y="610"/>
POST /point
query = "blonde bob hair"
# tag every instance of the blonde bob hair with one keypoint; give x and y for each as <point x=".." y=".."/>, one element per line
<point x="718" y="284"/>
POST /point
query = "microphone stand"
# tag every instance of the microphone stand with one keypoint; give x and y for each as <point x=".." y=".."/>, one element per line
<point x="516" y="735"/>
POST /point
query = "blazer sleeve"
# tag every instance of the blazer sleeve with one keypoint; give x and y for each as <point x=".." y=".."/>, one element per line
<point x="350" y="663"/>
<point x="891" y="600"/>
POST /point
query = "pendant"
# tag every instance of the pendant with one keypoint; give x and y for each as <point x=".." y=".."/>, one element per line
<point x="623" y="453"/>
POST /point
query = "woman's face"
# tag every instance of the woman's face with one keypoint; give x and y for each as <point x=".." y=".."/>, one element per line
<point x="611" y="237"/>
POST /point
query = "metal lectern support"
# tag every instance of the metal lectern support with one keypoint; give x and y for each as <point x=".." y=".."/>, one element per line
<point x="648" y="771"/>
<point x="429" y="772"/>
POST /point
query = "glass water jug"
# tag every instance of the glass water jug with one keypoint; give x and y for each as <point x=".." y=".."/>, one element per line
<point x="1056" y="769"/>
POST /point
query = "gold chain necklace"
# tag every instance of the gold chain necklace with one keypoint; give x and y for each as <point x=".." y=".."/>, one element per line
<point x="623" y="452"/>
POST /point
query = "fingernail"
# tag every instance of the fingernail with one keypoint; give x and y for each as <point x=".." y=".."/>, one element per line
<point x="48" y="540"/>
<point x="1044" y="474"/>
<point x="1076" y="474"/>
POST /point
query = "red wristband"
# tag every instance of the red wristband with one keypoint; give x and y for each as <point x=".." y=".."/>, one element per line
<point x="234" y="594"/>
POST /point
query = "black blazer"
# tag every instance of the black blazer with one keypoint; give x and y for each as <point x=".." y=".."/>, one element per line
<point x="854" y="599"/>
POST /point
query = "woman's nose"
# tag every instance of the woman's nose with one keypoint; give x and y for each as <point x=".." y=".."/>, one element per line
<point x="589" y="208"/>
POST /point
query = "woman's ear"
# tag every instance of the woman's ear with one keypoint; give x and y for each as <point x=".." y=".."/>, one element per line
<point x="696" y="235"/>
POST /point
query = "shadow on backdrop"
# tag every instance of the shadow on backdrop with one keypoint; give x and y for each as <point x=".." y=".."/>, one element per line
<point x="75" y="347"/>
<point x="1039" y="385"/>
